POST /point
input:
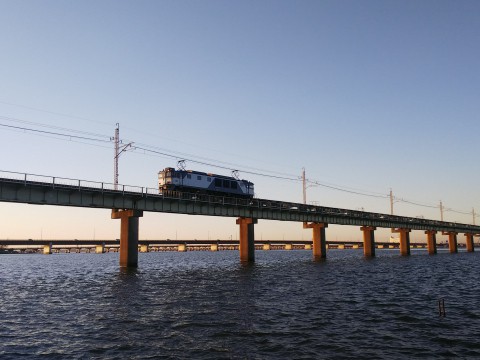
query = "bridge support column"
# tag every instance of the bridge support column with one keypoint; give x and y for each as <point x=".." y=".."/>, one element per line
<point x="288" y="246"/>
<point x="47" y="249"/>
<point x="452" y="241"/>
<point x="431" y="241"/>
<point x="469" y="242"/>
<point x="368" y="240"/>
<point x="404" y="240"/>
<point x="100" y="249"/>
<point x="128" y="236"/>
<point x="144" y="248"/>
<point x="319" y="239"/>
<point x="182" y="247"/>
<point x="247" y="239"/>
<point x="266" y="246"/>
<point x="214" y="247"/>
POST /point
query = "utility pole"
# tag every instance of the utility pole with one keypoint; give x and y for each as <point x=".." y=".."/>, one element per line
<point x="391" y="202"/>
<point x="304" y="182"/>
<point x="118" y="151"/>
<point x="441" y="210"/>
<point x="117" y="146"/>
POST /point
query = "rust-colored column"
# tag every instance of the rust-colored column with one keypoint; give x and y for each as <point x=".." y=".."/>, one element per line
<point x="452" y="241"/>
<point x="431" y="241"/>
<point x="319" y="239"/>
<point x="469" y="242"/>
<point x="404" y="240"/>
<point x="128" y="236"/>
<point x="368" y="240"/>
<point x="247" y="239"/>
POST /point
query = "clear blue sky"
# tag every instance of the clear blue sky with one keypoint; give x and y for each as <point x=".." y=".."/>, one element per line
<point x="369" y="95"/>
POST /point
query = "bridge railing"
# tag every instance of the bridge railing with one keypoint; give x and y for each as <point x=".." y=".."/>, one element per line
<point x="151" y="191"/>
<point x="12" y="175"/>
<point x="64" y="181"/>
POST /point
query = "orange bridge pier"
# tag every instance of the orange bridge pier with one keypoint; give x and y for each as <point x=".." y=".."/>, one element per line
<point x="246" y="245"/>
<point x="128" y="236"/>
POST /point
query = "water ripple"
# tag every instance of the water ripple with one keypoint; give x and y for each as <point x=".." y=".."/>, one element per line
<point x="206" y="305"/>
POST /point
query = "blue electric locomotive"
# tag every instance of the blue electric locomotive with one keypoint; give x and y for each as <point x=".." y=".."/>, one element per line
<point x="194" y="181"/>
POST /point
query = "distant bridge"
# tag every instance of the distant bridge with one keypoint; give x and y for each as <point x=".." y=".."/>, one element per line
<point x="102" y="246"/>
<point x="129" y="202"/>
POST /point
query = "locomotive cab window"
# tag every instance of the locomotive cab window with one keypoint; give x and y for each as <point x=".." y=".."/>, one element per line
<point x="218" y="183"/>
<point x="226" y="184"/>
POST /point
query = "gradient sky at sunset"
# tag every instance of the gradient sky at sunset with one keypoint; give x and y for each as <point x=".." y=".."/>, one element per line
<point x="366" y="95"/>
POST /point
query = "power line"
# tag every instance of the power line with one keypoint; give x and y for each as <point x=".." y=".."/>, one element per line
<point x="16" y="120"/>
<point x="134" y="129"/>
<point x="346" y="190"/>
<point x="215" y="165"/>
<point x="415" y="203"/>
<point x="52" y="112"/>
<point x="210" y="161"/>
<point x="191" y="158"/>
<point x="53" y="133"/>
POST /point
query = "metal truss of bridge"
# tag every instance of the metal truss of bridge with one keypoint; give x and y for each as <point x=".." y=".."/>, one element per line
<point x="129" y="202"/>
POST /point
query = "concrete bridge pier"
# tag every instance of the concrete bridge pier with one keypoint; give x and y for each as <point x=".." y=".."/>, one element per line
<point x="431" y="241"/>
<point x="469" y="242"/>
<point x="182" y="247"/>
<point x="128" y="236"/>
<point x="100" y="249"/>
<point x="404" y="240"/>
<point x="144" y="248"/>
<point x="247" y="239"/>
<point x="452" y="241"/>
<point x="47" y="249"/>
<point x="368" y="240"/>
<point x="319" y="239"/>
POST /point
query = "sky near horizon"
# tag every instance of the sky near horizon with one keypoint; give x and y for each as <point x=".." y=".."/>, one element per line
<point x="366" y="95"/>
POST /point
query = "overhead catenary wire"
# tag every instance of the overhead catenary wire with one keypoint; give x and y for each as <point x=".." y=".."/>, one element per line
<point x="98" y="139"/>
<point x="217" y="166"/>
<point x="53" y="133"/>
<point x="415" y="203"/>
<point x="27" y="122"/>
<point x="346" y="190"/>
<point x="52" y="112"/>
<point x="227" y="165"/>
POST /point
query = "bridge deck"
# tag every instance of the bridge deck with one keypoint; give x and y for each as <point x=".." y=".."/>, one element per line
<point x="80" y="193"/>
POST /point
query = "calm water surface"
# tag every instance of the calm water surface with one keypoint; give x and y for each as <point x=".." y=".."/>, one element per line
<point x="205" y="305"/>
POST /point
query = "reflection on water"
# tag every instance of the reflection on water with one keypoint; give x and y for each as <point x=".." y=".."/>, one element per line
<point x="208" y="305"/>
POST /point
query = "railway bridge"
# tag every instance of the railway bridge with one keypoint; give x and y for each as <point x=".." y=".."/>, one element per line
<point x="129" y="202"/>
